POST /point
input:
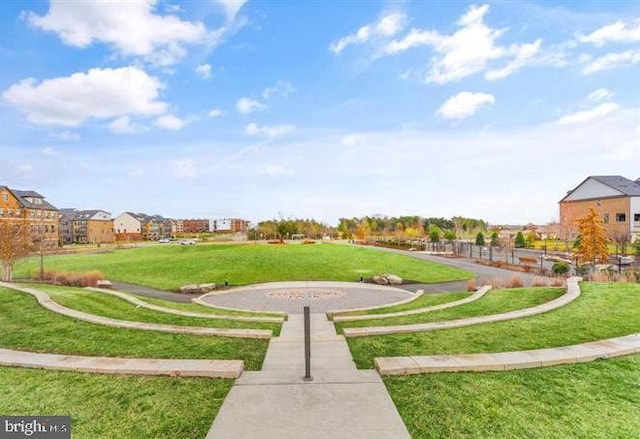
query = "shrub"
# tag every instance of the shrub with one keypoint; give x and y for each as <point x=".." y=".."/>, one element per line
<point x="559" y="282"/>
<point x="560" y="268"/>
<point x="479" y="239"/>
<point x="513" y="282"/>
<point x="539" y="282"/>
<point x="88" y="279"/>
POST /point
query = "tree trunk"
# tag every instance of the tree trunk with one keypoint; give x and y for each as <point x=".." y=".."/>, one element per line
<point x="6" y="274"/>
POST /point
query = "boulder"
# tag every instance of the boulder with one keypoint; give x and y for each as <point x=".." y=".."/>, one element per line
<point x="103" y="283"/>
<point x="190" y="289"/>
<point x="393" y="279"/>
<point x="380" y="280"/>
<point x="207" y="288"/>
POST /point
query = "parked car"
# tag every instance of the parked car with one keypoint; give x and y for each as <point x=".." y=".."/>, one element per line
<point x="187" y="242"/>
<point x="164" y="240"/>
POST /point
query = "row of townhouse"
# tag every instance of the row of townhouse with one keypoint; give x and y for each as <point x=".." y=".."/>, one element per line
<point x="53" y="226"/>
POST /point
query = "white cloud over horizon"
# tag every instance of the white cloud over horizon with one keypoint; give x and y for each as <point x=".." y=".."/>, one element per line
<point x="594" y="114"/>
<point x="247" y="105"/>
<point x="464" y="104"/>
<point x="131" y="28"/>
<point x="269" y="131"/>
<point x="96" y="94"/>
<point x="387" y="26"/>
<point x="170" y="122"/>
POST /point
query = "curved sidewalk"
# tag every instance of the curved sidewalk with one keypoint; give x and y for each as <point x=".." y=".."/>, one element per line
<point x="44" y="300"/>
<point x="475" y="296"/>
<point x="143" y="304"/>
<point x="580" y="353"/>
<point x="573" y="292"/>
<point x="123" y="366"/>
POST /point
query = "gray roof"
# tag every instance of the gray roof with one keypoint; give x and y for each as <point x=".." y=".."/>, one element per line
<point x="619" y="183"/>
<point x="22" y="198"/>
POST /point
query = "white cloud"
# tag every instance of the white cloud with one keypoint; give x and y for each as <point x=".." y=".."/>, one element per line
<point x="271" y="131"/>
<point x="464" y="104"/>
<point x="204" y="71"/>
<point x="96" y="94"/>
<point x="131" y="28"/>
<point x="49" y="151"/>
<point x="601" y="94"/>
<point x="216" y="112"/>
<point x="282" y="88"/>
<point x="611" y="61"/>
<point x="231" y="7"/>
<point x="124" y="125"/>
<point x="618" y="32"/>
<point x="589" y="115"/>
<point x="388" y="25"/>
<point x="170" y="122"/>
<point x="184" y="169"/>
<point x="248" y="106"/>
<point x="354" y="139"/>
<point x="522" y="54"/>
<point x="67" y="135"/>
<point x="467" y="51"/>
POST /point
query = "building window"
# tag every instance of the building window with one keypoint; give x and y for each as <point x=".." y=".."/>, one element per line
<point x="605" y="218"/>
<point x="636" y="217"/>
<point x="621" y="217"/>
<point x="5" y="197"/>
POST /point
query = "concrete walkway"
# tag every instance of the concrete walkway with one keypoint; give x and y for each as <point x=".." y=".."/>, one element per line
<point x="46" y="302"/>
<point x="580" y="353"/>
<point x="340" y="402"/>
<point x="141" y="303"/>
<point x="123" y="366"/>
<point x="472" y="298"/>
<point x="573" y="292"/>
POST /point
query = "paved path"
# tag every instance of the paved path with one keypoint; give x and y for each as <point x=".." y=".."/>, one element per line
<point x="123" y="366"/>
<point x="141" y="303"/>
<point x="291" y="297"/>
<point x="44" y="300"/>
<point x="472" y="298"/>
<point x="580" y="353"/>
<point x="340" y="402"/>
<point x="152" y="292"/>
<point x="573" y="292"/>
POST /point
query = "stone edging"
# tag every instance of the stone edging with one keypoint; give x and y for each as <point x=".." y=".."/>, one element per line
<point x="580" y="353"/>
<point x="123" y="366"/>
<point x="475" y="296"/>
<point x="44" y="300"/>
<point x="573" y="292"/>
<point x="134" y="300"/>
<point x="334" y="315"/>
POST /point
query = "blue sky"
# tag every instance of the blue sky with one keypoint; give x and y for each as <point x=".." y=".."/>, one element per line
<point x="318" y="109"/>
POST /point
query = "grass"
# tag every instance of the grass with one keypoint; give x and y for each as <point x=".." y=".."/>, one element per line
<point x="421" y="302"/>
<point x="494" y="302"/>
<point x="27" y="326"/>
<point x="602" y="311"/>
<point x="116" y="308"/>
<point x="169" y="267"/>
<point x="117" y="407"/>
<point x="594" y="400"/>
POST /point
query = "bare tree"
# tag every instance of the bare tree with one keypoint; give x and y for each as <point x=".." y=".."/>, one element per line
<point x="15" y="243"/>
<point x="622" y="240"/>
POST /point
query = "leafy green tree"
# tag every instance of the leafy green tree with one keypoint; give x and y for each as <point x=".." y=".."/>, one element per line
<point x="495" y="240"/>
<point x="479" y="239"/>
<point x="434" y="233"/>
<point x="449" y="235"/>
<point x="520" y="241"/>
<point x="636" y="245"/>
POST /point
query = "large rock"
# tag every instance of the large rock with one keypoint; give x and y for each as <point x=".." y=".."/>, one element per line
<point x="387" y="279"/>
<point x="197" y="289"/>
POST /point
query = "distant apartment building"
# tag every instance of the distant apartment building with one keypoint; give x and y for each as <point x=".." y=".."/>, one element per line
<point x="30" y="206"/>
<point x="615" y="198"/>
<point x="130" y="226"/>
<point x="85" y="226"/>
<point x="195" y="225"/>
<point x="229" y="225"/>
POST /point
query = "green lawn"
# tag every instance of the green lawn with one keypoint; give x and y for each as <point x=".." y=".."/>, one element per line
<point x="169" y="267"/>
<point x="602" y="311"/>
<point x="113" y="307"/>
<point x="421" y="302"/>
<point x="593" y="400"/>
<point x="494" y="302"/>
<point x="25" y="325"/>
<point x="115" y="407"/>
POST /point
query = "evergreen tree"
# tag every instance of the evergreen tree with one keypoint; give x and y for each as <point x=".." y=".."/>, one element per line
<point x="495" y="241"/>
<point x="520" y="241"/>
<point x="479" y="239"/>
